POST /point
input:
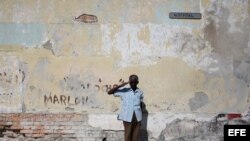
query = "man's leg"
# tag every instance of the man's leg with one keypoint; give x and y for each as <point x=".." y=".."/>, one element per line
<point x="136" y="128"/>
<point x="136" y="131"/>
<point x="127" y="131"/>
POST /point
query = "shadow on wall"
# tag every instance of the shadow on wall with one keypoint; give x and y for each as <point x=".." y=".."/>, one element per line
<point x="144" y="122"/>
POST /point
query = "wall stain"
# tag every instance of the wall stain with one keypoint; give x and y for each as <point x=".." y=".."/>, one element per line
<point x="199" y="100"/>
<point x="87" y="18"/>
<point x="48" y="45"/>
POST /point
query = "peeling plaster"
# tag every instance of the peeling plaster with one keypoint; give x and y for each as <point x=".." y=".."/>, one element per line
<point x="105" y="121"/>
<point x="155" y="122"/>
<point x="164" y="41"/>
<point x="228" y="39"/>
<point x="242" y="70"/>
<point x="237" y="13"/>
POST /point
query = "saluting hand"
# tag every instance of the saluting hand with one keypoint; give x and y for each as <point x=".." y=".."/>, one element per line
<point x="124" y="83"/>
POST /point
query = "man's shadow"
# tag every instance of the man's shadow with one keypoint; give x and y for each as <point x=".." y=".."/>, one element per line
<point x="144" y="122"/>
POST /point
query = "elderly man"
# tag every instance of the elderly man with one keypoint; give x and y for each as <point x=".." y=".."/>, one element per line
<point x="131" y="112"/>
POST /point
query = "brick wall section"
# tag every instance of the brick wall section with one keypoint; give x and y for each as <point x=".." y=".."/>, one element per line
<point x="75" y="127"/>
<point x="64" y="125"/>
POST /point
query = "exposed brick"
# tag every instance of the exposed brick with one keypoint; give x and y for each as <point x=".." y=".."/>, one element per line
<point x="45" y="126"/>
<point x="61" y="131"/>
<point x="27" y="131"/>
<point x="15" y="127"/>
<point x="6" y="123"/>
<point x="26" y="123"/>
<point x="48" y="131"/>
<point x="38" y="135"/>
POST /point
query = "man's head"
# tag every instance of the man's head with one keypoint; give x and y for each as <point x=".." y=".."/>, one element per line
<point x="133" y="81"/>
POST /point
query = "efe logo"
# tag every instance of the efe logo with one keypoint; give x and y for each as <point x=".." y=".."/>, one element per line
<point x="236" y="132"/>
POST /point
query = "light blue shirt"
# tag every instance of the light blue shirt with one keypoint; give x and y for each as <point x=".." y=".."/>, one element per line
<point x="130" y="103"/>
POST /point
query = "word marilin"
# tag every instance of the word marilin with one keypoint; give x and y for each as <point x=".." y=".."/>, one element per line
<point x="65" y="100"/>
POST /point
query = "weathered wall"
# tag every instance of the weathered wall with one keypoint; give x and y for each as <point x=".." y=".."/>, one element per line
<point x="53" y="62"/>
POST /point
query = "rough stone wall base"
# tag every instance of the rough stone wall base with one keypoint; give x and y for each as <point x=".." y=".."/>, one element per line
<point x="75" y="127"/>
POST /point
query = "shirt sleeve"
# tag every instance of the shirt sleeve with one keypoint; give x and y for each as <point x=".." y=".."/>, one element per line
<point x="119" y="92"/>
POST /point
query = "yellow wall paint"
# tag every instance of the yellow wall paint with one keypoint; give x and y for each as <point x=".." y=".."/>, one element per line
<point x="174" y="60"/>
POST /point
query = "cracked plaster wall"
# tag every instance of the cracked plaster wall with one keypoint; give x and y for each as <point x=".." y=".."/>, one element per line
<point x="51" y="62"/>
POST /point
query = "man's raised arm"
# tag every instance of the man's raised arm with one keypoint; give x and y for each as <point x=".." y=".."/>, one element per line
<point x="113" y="90"/>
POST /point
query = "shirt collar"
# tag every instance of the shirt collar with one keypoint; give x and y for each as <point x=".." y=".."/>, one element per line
<point x="137" y="90"/>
